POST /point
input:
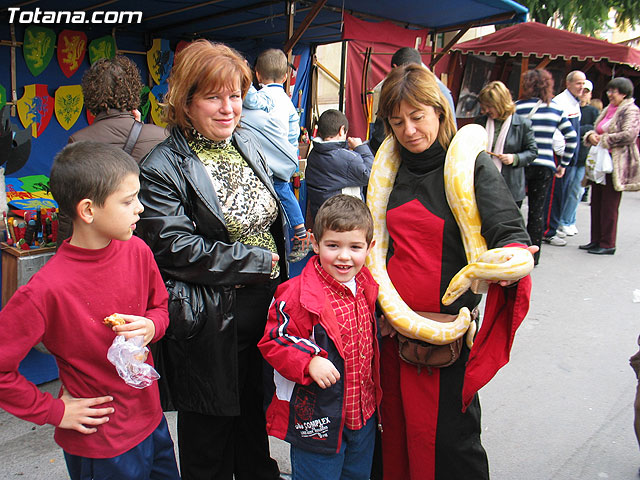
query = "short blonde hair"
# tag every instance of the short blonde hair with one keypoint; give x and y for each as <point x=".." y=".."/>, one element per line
<point x="200" y="68"/>
<point x="497" y="95"/>
<point x="417" y="86"/>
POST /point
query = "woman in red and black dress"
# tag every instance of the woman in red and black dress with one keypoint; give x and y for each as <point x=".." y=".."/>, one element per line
<point x="427" y="433"/>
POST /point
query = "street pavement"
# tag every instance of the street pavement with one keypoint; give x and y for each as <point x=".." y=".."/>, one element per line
<point x="562" y="409"/>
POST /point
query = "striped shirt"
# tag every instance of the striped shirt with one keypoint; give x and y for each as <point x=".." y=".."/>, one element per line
<point x="544" y="122"/>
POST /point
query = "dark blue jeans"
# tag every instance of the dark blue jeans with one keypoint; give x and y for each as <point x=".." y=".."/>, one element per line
<point x="353" y="462"/>
<point x="152" y="459"/>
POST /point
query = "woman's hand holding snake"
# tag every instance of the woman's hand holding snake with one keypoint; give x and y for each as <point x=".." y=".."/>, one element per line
<point x="508" y="264"/>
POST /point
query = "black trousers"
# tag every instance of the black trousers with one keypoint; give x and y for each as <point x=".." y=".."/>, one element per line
<point x="538" y="182"/>
<point x="217" y="448"/>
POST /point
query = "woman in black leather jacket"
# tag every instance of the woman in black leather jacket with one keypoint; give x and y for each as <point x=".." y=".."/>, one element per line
<point x="214" y="223"/>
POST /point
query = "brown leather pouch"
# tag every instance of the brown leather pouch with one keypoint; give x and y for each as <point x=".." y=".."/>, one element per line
<point x="423" y="354"/>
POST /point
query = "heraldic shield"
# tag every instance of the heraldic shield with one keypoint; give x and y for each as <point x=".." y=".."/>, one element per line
<point x="35" y="108"/>
<point x="72" y="47"/>
<point x="38" y="46"/>
<point x="103" y="47"/>
<point x="155" y="98"/>
<point x="145" y="102"/>
<point x="69" y="103"/>
<point x="160" y="60"/>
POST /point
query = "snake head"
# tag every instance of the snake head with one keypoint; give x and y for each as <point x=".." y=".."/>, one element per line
<point x="459" y="284"/>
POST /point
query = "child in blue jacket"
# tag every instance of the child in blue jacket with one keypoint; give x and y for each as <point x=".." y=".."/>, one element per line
<point x="336" y="164"/>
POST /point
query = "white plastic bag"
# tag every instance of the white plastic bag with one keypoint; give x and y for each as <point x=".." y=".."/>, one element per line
<point x="129" y="357"/>
<point x="598" y="164"/>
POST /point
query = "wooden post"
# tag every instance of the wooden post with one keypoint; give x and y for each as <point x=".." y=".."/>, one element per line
<point x="446" y="48"/>
<point x="434" y="35"/>
<point x="343" y="61"/>
<point x="291" y="14"/>
<point x="543" y="64"/>
<point x="295" y="36"/>
<point x="523" y="68"/>
<point x="14" y="93"/>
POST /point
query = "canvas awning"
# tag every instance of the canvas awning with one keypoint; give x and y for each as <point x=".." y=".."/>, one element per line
<point x="268" y="22"/>
<point x="536" y="39"/>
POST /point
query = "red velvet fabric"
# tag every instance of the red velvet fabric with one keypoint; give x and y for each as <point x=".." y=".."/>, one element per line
<point x="416" y="260"/>
<point x="408" y="395"/>
<point x="504" y="311"/>
<point x="381" y="32"/>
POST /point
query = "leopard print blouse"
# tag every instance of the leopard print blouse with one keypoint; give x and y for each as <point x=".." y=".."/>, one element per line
<point x="248" y="207"/>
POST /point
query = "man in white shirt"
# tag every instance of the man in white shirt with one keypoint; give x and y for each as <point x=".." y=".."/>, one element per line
<point x="569" y="100"/>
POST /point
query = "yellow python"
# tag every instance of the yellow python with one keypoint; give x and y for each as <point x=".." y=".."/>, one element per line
<point x="459" y="188"/>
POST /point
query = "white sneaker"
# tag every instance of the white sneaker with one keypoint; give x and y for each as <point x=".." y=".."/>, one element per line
<point x="569" y="230"/>
<point x="555" y="241"/>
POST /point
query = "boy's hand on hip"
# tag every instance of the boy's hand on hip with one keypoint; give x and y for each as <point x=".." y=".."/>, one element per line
<point x="136" y="326"/>
<point x="323" y="372"/>
<point x="80" y="415"/>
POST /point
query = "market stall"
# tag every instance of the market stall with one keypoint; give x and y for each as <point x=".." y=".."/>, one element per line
<point x="45" y="48"/>
<point x="507" y="53"/>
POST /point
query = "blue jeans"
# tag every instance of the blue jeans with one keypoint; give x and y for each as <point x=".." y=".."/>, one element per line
<point x="353" y="462"/>
<point x="151" y="459"/>
<point x="289" y="202"/>
<point x="574" y="191"/>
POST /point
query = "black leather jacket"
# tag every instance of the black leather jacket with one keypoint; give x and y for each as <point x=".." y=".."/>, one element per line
<point x="521" y="140"/>
<point x="183" y="224"/>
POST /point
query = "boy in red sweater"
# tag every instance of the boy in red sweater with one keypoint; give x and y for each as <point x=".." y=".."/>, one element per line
<point x="320" y="339"/>
<point x="106" y="428"/>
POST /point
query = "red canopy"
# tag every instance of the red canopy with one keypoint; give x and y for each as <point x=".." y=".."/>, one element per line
<point x="532" y="38"/>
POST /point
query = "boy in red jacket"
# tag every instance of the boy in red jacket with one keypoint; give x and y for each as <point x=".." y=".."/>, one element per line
<point x="106" y="428"/>
<point x="321" y="341"/>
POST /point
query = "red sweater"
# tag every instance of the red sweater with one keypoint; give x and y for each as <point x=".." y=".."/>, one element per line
<point x="63" y="306"/>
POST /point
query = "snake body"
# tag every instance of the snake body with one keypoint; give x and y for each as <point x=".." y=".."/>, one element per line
<point x="508" y="263"/>
<point x="397" y="312"/>
<point x="459" y="176"/>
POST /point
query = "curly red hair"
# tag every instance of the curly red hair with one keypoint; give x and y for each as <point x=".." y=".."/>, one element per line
<point x="537" y="84"/>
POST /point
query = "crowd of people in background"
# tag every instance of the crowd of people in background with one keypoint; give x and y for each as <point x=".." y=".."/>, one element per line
<point x="554" y="170"/>
<point x="217" y="228"/>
